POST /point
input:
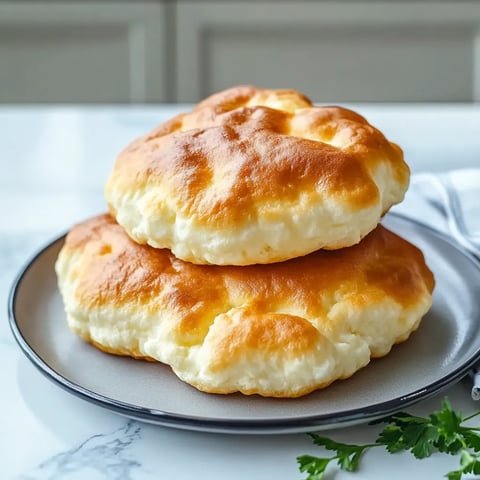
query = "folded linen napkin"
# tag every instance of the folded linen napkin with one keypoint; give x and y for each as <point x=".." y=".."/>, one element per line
<point x="450" y="203"/>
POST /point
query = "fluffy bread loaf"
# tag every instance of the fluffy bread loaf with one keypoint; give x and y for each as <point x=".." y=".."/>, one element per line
<point x="280" y="330"/>
<point x="256" y="176"/>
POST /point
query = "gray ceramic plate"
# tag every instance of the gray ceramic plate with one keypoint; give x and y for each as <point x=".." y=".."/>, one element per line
<point x="441" y="352"/>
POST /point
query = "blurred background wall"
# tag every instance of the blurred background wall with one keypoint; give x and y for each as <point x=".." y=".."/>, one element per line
<point x="142" y="51"/>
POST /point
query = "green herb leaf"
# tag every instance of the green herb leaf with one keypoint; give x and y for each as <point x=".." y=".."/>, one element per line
<point x="455" y="475"/>
<point x="472" y="439"/>
<point x="469" y="464"/>
<point x="314" y="466"/>
<point x="406" y="432"/>
<point x="348" y="456"/>
<point x="442" y="431"/>
<point x="350" y="461"/>
<point x="450" y="434"/>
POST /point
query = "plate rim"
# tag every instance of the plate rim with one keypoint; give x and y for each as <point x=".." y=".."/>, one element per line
<point x="245" y="426"/>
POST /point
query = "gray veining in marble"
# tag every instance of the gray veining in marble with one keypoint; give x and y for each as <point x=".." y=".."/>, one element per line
<point x="106" y="455"/>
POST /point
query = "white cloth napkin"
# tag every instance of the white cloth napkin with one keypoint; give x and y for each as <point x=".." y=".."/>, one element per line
<point x="449" y="202"/>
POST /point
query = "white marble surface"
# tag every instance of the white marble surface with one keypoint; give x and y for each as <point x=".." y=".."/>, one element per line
<point x="54" y="162"/>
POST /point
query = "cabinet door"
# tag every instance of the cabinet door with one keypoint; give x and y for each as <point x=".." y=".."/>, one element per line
<point x="333" y="51"/>
<point x="72" y="51"/>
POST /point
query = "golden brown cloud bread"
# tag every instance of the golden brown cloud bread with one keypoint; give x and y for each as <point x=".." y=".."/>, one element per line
<point x="282" y="329"/>
<point x="256" y="176"/>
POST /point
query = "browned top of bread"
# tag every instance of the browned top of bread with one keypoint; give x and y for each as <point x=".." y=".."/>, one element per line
<point x="256" y="176"/>
<point x="282" y="329"/>
<point x="117" y="271"/>
<point x="245" y="146"/>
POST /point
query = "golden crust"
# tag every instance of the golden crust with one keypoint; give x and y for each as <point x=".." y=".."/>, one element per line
<point x="251" y="157"/>
<point x="282" y="329"/>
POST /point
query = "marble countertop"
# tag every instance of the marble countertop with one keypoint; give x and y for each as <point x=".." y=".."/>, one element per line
<point x="54" y="162"/>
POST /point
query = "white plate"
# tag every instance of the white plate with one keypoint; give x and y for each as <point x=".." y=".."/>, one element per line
<point x="442" y="351"/>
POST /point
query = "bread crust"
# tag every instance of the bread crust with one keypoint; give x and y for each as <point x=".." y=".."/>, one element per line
<point x="256" y="176"/>
<point x="280" y="330"/>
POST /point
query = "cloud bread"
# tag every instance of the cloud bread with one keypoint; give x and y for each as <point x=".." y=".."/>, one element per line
<point x="256" y="176"/>
<point x="280" y="330"/>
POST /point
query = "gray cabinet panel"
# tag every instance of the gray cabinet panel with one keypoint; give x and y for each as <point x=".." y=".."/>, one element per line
<point x="334" y="51"/>
<point x="366" y="65"/>
<point x="83" y="52"/>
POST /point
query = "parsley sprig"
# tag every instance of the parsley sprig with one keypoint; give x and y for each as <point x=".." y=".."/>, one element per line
<point x="443" y="431"/>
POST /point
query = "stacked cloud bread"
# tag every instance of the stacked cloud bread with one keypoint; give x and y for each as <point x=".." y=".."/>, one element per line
<point x="243" y="248"/>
